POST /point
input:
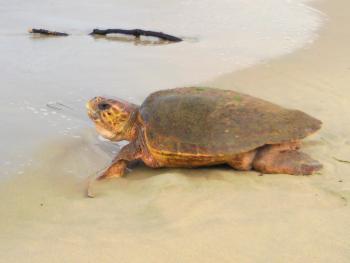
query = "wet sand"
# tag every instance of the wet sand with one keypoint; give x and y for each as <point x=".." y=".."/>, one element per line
<point x="200" y="215"/>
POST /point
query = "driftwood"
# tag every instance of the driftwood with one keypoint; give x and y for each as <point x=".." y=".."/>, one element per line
<point x="341" y="161"/>
<point x="137" y="33"/>
<point x="134" y="32"/>
<point x="47" y="32"/>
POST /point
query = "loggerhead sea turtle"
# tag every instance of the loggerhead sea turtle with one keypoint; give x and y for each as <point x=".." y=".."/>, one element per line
<point x="195" y="126"/>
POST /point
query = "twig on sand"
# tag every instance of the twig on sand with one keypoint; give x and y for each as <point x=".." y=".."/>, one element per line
<point x="89" y="191"/>
<point x="341" y="161"/>
<point x="137" y="33"/>
<point x="46" y="32"/>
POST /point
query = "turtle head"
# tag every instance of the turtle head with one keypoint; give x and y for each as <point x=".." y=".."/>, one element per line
<point x="114" y="118"/>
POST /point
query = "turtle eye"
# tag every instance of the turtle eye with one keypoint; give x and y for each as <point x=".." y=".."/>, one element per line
<point x="103" y="106"/>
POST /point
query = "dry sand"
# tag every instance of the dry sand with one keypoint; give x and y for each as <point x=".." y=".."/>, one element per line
<point x="202" y="215"/>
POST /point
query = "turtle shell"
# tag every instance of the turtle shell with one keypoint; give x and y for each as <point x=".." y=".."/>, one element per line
<point x="207" y="121"/>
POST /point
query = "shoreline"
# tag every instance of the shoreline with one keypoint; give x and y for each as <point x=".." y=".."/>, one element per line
<point x="310" y="60"/>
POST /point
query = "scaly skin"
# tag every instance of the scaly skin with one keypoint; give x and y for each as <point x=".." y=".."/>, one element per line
<point x="119" y="120"/>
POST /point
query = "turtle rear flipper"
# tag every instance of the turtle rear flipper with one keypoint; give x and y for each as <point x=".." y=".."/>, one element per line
<point x="271" y="159"/>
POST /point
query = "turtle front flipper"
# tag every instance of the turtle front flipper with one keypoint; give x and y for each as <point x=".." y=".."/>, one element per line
<point x="278" y="159"/>
<point x="116" y="169"/>
<point x="128" y="153"/>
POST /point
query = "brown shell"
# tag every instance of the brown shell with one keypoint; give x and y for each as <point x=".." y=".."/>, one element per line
<point x="209" y="121"/>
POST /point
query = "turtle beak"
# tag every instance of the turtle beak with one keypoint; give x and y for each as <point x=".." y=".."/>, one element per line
<point x="92" y="109"/>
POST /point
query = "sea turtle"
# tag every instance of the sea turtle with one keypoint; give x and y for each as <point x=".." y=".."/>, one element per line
<point x="195" y="126"/>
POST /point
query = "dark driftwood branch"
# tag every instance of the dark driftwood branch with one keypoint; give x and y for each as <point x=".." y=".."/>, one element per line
<point x="136" y="33"/>
<point x="47" y="32"/>
<point x="341" y="161"/>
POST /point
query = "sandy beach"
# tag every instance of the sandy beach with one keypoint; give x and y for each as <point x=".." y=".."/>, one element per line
<point x="200" y="215"/>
